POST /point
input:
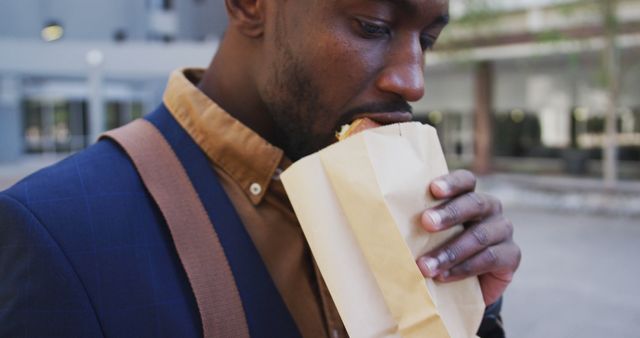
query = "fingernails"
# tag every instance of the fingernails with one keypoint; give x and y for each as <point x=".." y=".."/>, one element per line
<point x="431" y="266"/>
<point x="443" y="276"/>
<point x="435" y="218"/>
<point x="443" y="186"/>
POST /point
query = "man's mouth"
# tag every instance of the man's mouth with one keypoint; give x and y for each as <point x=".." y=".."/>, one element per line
<point x="379" y="113"/>
<point x="361" y="122"/>
<point x="386" y="117"/>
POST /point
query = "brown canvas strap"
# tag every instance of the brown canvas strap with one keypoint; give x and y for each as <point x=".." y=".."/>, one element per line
<point x="195" y="238"/>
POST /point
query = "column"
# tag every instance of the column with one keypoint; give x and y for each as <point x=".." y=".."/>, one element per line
<point x="483" y="125"/>
<point x="11" y="137"/>
<point x="96" y="123"/>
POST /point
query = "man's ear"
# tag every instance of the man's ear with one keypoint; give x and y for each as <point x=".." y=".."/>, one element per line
<point x="248" y="16"/>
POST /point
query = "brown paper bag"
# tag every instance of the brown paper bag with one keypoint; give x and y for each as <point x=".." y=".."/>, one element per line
<point x="359" y="204"/>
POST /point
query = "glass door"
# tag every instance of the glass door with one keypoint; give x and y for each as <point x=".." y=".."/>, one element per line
<point x="54" y="126"/>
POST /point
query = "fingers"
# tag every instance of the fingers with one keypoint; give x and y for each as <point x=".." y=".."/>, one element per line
<point x="495" y="267"/>
<point x="485" y="249"/>
<point x="468" y="207"/>
<point x="453" y="184"/>
<point x="471" y="242"/>
<point x="500" y="260"/>
<point x="493" y="285"/>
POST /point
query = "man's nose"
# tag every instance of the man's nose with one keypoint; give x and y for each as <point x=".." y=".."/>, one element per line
<point x="403" y="74"/>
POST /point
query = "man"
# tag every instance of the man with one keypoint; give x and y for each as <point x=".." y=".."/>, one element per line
<point x="84" y="251"/>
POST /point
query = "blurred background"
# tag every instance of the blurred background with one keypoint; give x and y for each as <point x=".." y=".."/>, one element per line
<point x="539" y="97"/>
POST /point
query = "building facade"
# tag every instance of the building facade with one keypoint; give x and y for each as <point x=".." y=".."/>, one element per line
<point x="71" y="69"/>
<point x="547" y="93"/>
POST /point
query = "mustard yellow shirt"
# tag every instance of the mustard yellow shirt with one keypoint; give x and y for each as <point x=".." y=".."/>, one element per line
<point x="248" y="168"/>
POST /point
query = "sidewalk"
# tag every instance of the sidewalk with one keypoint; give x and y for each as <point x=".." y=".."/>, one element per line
<point x="562" y="193"/>
<point x="578" y="276"/>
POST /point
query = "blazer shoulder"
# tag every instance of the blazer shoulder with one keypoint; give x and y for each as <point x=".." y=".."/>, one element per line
<point x="41" y="292"/>
<point x="103" y="168"/>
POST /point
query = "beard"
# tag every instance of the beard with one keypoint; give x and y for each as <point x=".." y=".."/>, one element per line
<point x="294" y="106"/>
<point x="293" y="102"/>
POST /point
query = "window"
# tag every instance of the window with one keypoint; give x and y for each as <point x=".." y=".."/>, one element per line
<point x="54" y="126"/>
<point x="119" y="113"/>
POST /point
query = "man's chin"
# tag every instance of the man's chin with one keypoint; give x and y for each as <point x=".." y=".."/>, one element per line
<point x="307" y="146"/>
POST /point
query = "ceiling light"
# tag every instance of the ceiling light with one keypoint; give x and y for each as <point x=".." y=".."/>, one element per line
<point x="52" y="31"/>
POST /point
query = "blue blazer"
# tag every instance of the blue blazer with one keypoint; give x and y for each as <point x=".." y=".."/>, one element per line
<point x="85" y="252"/>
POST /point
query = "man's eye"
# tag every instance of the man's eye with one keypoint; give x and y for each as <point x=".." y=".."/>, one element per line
<point x="427" y="43"/>
<point x="372" y="30"/>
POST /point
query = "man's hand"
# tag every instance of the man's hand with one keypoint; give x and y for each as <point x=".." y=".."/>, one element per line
<point x="485" y="248"/>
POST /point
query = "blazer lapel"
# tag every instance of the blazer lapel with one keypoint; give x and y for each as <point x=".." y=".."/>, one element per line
<point x="267" y="315"/>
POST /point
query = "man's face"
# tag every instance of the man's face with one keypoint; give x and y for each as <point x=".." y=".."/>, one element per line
<point x="330" y="61"/>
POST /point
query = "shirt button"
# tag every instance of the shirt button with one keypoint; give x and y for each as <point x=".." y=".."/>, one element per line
<point x="276" y="174"/>
<point x="255" y="189"/>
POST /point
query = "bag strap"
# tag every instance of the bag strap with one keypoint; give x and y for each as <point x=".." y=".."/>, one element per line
<point x="195" y="238"/>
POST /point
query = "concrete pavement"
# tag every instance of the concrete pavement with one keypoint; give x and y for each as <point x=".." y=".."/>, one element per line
<point x="581" y="244"/>
<point x="578" y="277"/>
<point x="564" y="194"/>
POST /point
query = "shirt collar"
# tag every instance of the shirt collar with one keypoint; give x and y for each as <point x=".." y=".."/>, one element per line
<point x="244" y="155"/>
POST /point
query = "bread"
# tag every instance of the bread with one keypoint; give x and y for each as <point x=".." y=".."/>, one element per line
<point x="355" y="127"/>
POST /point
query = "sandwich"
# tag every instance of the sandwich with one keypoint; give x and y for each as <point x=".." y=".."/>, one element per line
<point x="355" y="127"/>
